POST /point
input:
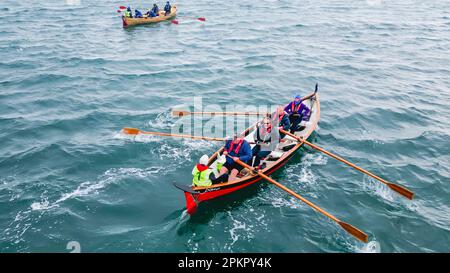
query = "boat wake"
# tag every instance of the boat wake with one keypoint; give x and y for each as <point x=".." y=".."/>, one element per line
<point x="88" y="188"/>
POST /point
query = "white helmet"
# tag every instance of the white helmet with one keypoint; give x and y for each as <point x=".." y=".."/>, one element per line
<point x="204" y="160"/>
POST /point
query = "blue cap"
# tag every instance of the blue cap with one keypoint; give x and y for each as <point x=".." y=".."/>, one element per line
<point x="298" y="97"/>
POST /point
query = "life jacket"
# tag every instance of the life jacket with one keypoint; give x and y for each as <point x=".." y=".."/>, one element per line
<point x="280" y="117"/>
<point x="261" y="130"/>
<point x="296" y="108"/>
<point x="238" y="147"/>
<point x="200" y="176"/>
<point x="127" y="13"/>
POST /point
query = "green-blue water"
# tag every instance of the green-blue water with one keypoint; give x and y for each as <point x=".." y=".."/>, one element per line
<point x="71" y="77"/>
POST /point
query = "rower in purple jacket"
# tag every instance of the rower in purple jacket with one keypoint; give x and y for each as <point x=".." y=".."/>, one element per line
<point x="297" y="112"/>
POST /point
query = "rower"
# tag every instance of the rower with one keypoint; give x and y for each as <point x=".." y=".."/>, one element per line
<point x="262" y="137"/>
<point x="283" y="120"/>
<point x="137" y="14"/>
<point x="155" y="9"/>
<point x="128" y="13"/>
<point x="298" y="112"/>
<point x="203" y="176"/>
<point x="167" y="8"/>
<point x="236" y="148"/>
<point x="151" y="14"/>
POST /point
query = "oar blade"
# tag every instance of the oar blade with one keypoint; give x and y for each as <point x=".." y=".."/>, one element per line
<point x="122" y="7"/>
<point x="358" y="234"/>
<point x="178" y="114"/>
<point x="401" y="190"/>
<point x="201" y="19"/>
<point x="130" y="131"/>
<point x="174" y="22"/>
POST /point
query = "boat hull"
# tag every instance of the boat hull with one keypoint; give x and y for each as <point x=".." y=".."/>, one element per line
<point x="128" y="22"/>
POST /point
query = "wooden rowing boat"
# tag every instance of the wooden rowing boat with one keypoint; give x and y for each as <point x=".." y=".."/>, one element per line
<point x="284" y="152"/>
<point x="128" y="22"/>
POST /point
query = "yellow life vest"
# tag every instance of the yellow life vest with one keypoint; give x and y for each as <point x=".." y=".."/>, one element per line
<point x="201" y="179"/>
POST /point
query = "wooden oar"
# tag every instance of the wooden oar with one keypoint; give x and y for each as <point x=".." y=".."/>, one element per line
<point x="134" y="131"/>
<point x="349" y="228"/>
<point x="181" y="113"/>
<point x="397" y="188"/>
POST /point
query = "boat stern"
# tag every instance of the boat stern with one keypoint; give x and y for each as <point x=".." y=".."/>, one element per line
<point x="191" y="203"/>
<point x="124" y="22"/>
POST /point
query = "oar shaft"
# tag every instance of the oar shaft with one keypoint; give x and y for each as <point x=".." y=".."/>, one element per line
<point x="184" y="136"/>
<point x="134" y="131"/>
<point x="176" y="113"/>
<point x="399" y="189"/>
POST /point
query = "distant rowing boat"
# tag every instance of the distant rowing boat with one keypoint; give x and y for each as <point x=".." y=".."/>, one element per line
<point x="284" y="152"/>
<point x="127" y="22"/>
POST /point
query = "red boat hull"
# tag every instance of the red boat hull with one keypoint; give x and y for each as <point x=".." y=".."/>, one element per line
<point x="194" y="199"/>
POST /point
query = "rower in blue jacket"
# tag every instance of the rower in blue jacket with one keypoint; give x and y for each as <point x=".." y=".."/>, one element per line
<point x="137" y="14"/>
<point x="151" y="14"/>
<point x="236" y="148"/>
<point x="155" y="9"/>
<point x="167" y="8"/>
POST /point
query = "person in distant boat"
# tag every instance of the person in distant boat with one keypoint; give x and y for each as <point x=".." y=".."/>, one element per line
<point x="298" y="112"/>
<point x="262" y="137"/>
<point x="137" y="14"/>
<point x="155" y="9"/>
<point x="203" y="176"/>
<point x="151" y="14"/>
<point x="128" y="13"/>
<point x="167" y="8"/>
<point x="236" y="148"/>
<point x="283" y="120"/>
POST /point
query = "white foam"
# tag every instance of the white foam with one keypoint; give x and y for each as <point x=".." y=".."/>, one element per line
<point x="162" y="121"/>
<point x="375" y="187"/>
<point x="370" y="247"/>
<point x="88" y="188"/>
<point x="287" y="201"/>
<point x="234" y="231"/>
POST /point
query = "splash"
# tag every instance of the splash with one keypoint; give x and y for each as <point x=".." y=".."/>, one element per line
<point x="162" y="121"/>
<point x="302" y="174"/>
<point x="370" y="247"/>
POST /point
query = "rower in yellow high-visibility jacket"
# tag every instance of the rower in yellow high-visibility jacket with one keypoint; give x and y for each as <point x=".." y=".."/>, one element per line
<point x="203" y="176"/>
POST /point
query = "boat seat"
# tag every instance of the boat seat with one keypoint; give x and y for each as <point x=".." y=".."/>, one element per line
<point x="274" y="155"/>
